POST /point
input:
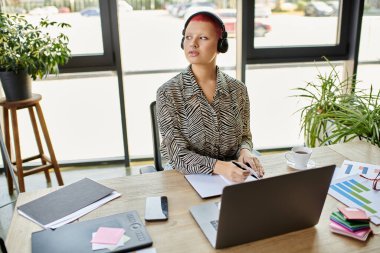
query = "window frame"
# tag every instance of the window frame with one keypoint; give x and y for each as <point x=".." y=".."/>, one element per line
<point x="96" y="62"/>
<point x="304" y="53"/>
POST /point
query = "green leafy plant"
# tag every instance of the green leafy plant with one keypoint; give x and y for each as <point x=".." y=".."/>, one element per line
<point x="357" y="117"/>
<point x="322" y="96"/>
<point x="30" y="48"/>
<point x="334" y="114"/>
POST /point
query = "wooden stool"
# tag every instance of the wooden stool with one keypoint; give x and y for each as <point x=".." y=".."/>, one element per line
<point x="46" y="162"/>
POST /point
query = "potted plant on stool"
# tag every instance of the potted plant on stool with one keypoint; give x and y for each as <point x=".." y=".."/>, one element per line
<point x="28" y="52"/>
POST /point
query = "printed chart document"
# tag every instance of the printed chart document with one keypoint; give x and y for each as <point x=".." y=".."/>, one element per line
<point x="349" y="168"/>
<point x="355" y="191"/>
<point x="210" y="185"/>
<point x="68" y="203"/>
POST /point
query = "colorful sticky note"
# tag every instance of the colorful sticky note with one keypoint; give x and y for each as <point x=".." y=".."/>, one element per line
<point x="98" y="246"/>
<point x="106" y="235"/>
<point x="353" y="213"/>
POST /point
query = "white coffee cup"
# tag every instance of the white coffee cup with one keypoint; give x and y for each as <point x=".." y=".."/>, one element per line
<point x="299" y="156"/>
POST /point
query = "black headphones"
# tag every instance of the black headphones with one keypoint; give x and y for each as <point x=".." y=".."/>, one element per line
<point x="222" y="42"/>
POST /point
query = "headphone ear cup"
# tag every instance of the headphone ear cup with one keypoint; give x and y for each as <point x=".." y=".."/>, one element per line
<point x="222" y="45"/>
<point x="182" y="41"/>
<point x="183" y="37"/>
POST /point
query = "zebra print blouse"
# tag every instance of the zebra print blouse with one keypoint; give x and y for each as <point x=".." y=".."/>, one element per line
<point x="195" y="134"/>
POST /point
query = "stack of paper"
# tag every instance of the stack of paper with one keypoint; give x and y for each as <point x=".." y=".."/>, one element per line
<point x="108" y="238"/>
<point x="358" y="229"/>
<point x="210" y="185"/>
<point x="68" y="203"/>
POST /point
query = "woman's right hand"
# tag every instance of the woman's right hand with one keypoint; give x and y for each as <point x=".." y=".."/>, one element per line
<point x="231" y="171"/>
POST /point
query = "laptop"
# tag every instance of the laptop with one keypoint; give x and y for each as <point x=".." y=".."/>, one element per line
<point x="264" y="208"/>
<point x="76" y="237"/>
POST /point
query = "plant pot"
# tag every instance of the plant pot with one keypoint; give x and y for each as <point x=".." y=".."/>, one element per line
<point x="16" y="86"/>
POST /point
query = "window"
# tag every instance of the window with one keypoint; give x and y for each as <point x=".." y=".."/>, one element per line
<point x="82" y="110"/>
<point x="90" y="34"/>
<point x="306" y="34"/>
<point x="151" y="53"/>
<point x="369" y="53"/>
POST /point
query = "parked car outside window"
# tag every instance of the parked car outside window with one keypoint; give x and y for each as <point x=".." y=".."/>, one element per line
<point x="228" y="16"/>
<point x="183" y="10"/>
<point x="90" y="12"/>
<point x="318" y="9"/>
<point x="335" y="6"/>
<point x="262" y="11"/>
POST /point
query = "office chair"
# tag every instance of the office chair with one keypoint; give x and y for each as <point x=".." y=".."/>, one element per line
<point x="2" y="246"/>
<point x="156" y="138"/>
<point x="160" y="163"/>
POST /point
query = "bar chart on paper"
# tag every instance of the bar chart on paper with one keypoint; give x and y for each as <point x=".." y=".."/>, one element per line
<point x="350" y="168"/>
<point x="355" y="191"/>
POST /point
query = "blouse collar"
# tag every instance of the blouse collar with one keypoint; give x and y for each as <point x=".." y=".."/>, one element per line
<point x="191" y="87"/>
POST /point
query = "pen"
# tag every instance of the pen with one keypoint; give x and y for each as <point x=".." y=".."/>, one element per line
<point x="252" y="172"/>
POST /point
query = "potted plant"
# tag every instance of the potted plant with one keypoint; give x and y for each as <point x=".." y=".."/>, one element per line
<point x="334" y="114"/>
<point x="358" y="116"/>
<point x="28" y="52"/>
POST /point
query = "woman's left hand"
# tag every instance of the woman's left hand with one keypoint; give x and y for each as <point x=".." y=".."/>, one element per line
<point x="248" y="158"/>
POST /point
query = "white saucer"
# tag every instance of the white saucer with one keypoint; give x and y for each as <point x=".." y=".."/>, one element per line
<point x="310" y="165"/>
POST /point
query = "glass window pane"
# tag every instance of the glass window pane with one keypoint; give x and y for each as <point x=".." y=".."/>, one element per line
<point x="275" y="122"/>
<point x="370" y="35"/>
<point x="284" y="24"/>
<point x="85" y="34"/>
<point x="368" y="75"/>
<point x="151" y="53"/>
<point x="150" y="39"/>
<point x="140" y="91"/>
<point x="369" y="53"/>
<point x="83" y="117"/>
<point x="82" y="111"/>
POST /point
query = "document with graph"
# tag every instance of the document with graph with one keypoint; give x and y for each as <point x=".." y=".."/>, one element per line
<point x="349" y="168"/>
<point x="356" y="191"/>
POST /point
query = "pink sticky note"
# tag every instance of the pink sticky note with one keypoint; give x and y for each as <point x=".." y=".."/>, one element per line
<point x="352" y="213"/>
<point x="106" y="235"/>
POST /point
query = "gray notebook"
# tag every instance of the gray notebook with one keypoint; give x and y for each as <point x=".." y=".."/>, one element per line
<point x="65" y="201"/>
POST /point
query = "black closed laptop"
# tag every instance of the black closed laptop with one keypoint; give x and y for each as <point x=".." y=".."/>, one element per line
<point x="260" y="209"/>
<point x="76" y="237"/>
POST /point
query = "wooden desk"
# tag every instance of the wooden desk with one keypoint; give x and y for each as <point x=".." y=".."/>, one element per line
<point x="181" y="233"/>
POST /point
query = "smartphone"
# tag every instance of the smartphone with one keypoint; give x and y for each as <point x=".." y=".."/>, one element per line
<point x="156" y="208"/>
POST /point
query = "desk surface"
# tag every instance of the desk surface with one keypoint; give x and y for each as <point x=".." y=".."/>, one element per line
<point x="181" y="233"/>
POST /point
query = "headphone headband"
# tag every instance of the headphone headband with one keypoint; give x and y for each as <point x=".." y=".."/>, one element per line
<point x="211" y="15"/>
<point x="222" y="42"/>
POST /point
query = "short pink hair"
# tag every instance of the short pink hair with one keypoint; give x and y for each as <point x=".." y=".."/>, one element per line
<point x="206" y="18"/>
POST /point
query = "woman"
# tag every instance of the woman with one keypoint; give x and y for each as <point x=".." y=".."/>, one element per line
<point x="203" y="114"/>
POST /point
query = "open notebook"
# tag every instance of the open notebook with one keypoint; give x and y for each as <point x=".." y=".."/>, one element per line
<point x="210" y="185"/>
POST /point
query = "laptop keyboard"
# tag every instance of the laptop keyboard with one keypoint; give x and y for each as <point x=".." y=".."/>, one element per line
<point x="214" y="223"/>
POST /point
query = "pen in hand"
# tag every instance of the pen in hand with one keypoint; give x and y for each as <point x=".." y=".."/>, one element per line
<point x="251" y="171"/>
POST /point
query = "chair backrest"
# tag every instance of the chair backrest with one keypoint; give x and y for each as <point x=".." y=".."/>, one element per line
<point x="2" y="246"/>
<point x="156" y="138"/>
